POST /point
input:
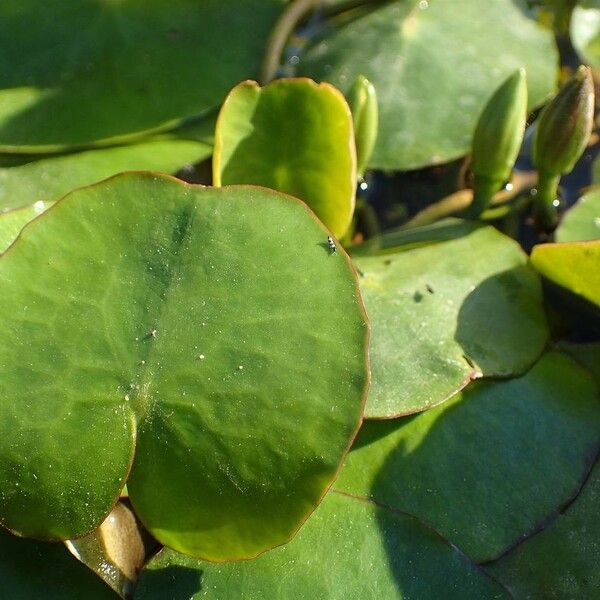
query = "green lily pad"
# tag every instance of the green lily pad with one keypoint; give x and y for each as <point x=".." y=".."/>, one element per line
<point x="582" y="221"/>
<point x="292" y="136"/>
<point x="13" y="221"/>
<point x="434" y="64"/>
<point x="585" y="34"/>
<point x="30" y="569"/>
<point x="488" y="466"/>
<point x="206" y="338"/>
<point x="350" y="548"/>
<point x="574" y="266"/>
<point x="75" y="73"/>
<point x="587" y="354"/>
<point x="562" y="560"/>
<point x="51" y="178"/>
<point x="447" y="313"/>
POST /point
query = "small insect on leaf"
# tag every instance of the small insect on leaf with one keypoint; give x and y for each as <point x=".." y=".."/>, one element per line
<point x="331" y="244"/>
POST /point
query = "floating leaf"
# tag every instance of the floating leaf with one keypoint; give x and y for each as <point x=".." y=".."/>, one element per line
<point x="587" y="355"/>
<point x="292" y="136"/>
<point x="51" y="178"/>
<point x="30" y="569"/>
<point x="488" y="466"/>
<point x="13" y="221"/>
<point x="446" y="313"/>
<point x="209" y="334"/>
<point x="350" y="548"/>
<point x="582" y="221"/>
<point x="73" y="73"/>
<point x="434" y="65"/>
<point x="562" y="560"/>
<point x="574" y="266"/>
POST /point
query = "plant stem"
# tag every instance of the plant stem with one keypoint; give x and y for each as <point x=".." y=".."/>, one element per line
<point x="545" y="211"/>
<point x="483" y="192"/>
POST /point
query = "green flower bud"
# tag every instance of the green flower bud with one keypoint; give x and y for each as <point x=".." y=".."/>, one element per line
<point x="363" y="104"/>
<point x="497" y="139"/>
<point x="562" y="134"/>
<point x="565" y="124"/>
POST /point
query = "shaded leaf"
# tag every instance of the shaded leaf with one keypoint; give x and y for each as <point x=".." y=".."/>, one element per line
<point x="489" y="465"/>
<point x="585" y="34"/>
<point x="434" y="65"/>
<point x="350" y="548"/>
<point x="446" y="313"/>
<point x="292" y="136"/>
<point x="31" y="569"/>
<point x="215" y="341"/>
<point x="562" y="560"/>
<point x="73" y="73"/>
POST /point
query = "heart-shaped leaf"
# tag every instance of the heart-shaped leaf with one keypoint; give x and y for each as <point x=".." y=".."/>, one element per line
<point x="562" y="560"/>
<point x="207" y="337"/>
<point x="73" y="73"/>
<point x="292" y="136"/>
<point x="582" y="221"/>
<point x="350" y="548"/>
<point x="30" y="569"/>
<point x="574" y="266"/>
<point x="488" y="466"/>
<point x="434" y="64"/>
<point x="446" y="313"/>
<point x="50" y="178"/>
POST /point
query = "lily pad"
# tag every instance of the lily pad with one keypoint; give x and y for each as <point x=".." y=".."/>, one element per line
<point x="587" y="355"/>
<point x="582" y="221"/>
<point x="585" y="34"/>
<point x="446" y="313"/>
<point x="434" y="65"/>
<point x="488" y="466"/>
<point x="76" y="73"/>
<point x="574" y="266"/>
<point x="293" y="136"/>
<point x="562" y="560"/>
<point x="31" y="569"/>
<point x="51" y="178"/>
<point x="350" y="548"/>
<point x="205" y="338"/>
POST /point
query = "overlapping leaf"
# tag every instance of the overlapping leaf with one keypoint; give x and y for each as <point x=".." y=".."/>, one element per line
<point x="491" y="464"/>
<point x="434" y="64"/>
<point x="74" y="72"/>
<point x="446" y="313"/>
<point x="582" y="221"/>
<point x="292" y="136"/>
<point x="208" y="336"/>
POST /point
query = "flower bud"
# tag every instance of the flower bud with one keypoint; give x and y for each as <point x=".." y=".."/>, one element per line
<point x="363" y="104"/>
<point x="564" y="127"/>
<point x="497" y="139"/>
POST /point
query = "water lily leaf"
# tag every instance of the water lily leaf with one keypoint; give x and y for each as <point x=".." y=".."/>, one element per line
<point x="350" y="548"/>
<point x="582" y="221"/>
<point x="587" y="354"/>
<point x="446" y="313"/>
<point x="292" y="136"/>
<point x="585" y="34"/>
<point x="33" y="569"/>
<point x="562" y="560"/>
<point x="74" y="73"/>
<point x="208" y="336"/>
<point x="571" y="265"/>
<point x="51" y="178"/>
<point x="489" y="465"/>
<point x="434" y="64"/>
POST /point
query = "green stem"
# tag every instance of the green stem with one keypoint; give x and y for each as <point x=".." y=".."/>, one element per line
<point x="483" y="192"/>
<point x="546" y="215"/>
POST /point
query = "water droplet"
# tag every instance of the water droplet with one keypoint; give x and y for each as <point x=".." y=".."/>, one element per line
<point x="423" y="4"/>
